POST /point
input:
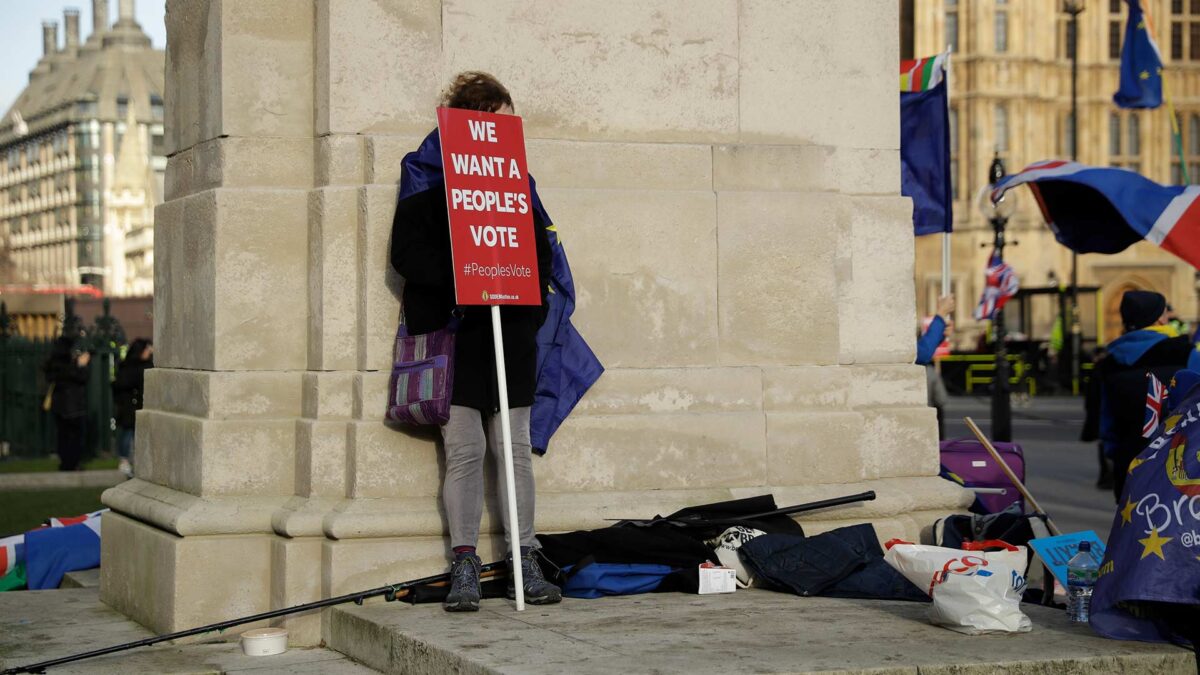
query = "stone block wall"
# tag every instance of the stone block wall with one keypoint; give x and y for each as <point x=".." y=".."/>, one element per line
<point x="724" y="176"/>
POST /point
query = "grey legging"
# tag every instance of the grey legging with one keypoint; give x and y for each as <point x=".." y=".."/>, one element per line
<point x="462" y="492"/>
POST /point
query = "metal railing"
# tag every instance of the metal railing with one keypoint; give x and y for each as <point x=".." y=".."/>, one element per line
<point x="26" y="428"/>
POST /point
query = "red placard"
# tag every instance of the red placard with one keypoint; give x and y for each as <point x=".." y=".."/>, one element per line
<point x="491" y="211"/>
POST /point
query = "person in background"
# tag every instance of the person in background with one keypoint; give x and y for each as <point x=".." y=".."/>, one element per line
<point x="1180" y="326"/>
<point x="67" y="377"/>
<point x="1116" y="396"/>
<point x="927" y="346"/>
<point x="127" y="397"/>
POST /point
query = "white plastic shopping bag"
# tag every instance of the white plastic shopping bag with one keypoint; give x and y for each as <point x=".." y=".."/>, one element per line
<point x="974" y="591"/>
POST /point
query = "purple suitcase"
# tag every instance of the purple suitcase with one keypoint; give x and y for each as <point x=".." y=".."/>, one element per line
<point x="970" y="461"/>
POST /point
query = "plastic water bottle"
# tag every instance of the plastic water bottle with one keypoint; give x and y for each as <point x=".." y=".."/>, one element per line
<point x="1082" y="571"/>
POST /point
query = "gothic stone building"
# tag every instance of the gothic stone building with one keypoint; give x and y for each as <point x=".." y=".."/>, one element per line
<point x="1010" y="94"/>
<point x="82" y="160"/>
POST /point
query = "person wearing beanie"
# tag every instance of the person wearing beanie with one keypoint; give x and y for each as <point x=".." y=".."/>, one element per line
<point x="1116" y="396"/>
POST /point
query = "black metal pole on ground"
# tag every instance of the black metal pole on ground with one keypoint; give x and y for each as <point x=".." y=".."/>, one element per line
<point x="1001" y="402"/>
<point x="390" y="593"/>
<point x="1073" y="8"/>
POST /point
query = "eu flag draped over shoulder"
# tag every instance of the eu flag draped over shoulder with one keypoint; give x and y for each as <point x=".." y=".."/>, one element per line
<point x="1149" y="584"/>
<point x="1106" y="210"/>
<point x="1141" y="64"/>
<point x="925" y="143"/>
<point x="566" y="366"/>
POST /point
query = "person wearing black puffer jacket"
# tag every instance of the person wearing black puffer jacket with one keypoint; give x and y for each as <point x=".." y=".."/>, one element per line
<point x="67" y="372"/>
<point x="1116" y="397"/>
<point x="127" y="397"/>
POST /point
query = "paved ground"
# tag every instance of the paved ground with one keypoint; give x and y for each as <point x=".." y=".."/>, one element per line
<point x="42" y="625"/>
<point x="1060" y="470"/>
<point x="748" y="632"/>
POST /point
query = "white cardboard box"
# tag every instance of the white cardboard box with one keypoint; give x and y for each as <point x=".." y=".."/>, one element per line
<point x="717" y="580"/>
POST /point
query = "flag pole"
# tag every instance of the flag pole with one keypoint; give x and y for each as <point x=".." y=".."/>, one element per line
<point x="949" y="226"/>
<point x="514" y="527"/>
<point x="1176" y="132"/>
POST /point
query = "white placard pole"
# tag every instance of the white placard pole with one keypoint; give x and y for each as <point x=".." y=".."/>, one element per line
<point x="514" y="526"/>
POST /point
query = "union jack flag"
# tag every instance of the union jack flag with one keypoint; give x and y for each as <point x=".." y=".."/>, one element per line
<point x="1156" y="393"/>
<point x="1001" y="285"/>
<point x="12" y="551"/>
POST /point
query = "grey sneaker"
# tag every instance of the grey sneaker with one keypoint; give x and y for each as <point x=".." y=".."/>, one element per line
<point x="464" y="585"/>
<point x="538" y="591"/>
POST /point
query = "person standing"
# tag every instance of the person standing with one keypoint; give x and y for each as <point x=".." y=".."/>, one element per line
<point x="420" y="252"/>
<point x="1116" y="396"/>
<point x="927" y="346"/>
<point x="127" y="397"/>
<point x="67" y="375"/>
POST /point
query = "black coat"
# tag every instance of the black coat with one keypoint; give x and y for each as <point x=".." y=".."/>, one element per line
<point x="69" y="399"/>
<point x="127" y="390"/>
<point x="420" y="252"/>
<point x="1123" y="386"/>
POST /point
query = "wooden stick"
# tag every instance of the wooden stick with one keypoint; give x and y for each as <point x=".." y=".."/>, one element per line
<point x="1037" y="508"/>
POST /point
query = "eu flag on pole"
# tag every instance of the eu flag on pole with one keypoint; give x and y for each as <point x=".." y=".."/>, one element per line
<point x="1141" y="64"/>
<point x="925" y="143"/>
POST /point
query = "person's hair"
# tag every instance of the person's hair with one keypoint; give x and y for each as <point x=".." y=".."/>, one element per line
<point x="475" y="90"/>
<point x="134" y="353"/>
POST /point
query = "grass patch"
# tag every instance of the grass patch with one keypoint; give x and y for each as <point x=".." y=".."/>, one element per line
<point x="42" y="464"/>
<point x="22" y="510"/>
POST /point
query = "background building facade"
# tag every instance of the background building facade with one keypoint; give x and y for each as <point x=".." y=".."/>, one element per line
<point x="1010" y="94"/>
<point x="82" y="159"/>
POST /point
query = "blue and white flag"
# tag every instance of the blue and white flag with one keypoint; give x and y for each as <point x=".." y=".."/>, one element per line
<point x="1141" y="64"/>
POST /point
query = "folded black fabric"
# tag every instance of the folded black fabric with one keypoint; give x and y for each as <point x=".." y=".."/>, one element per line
<point x="846" y="562"/>
<point x="658" y="545"/>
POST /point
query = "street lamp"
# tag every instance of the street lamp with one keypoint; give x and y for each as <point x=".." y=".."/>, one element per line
<point x="998" y="214"/>
<point x="1074" y="8"/>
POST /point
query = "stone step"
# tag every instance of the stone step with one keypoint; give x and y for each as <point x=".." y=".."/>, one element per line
<point x="750" y="631"/>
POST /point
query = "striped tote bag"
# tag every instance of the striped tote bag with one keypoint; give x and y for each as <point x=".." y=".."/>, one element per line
<point x="422" y="380"/>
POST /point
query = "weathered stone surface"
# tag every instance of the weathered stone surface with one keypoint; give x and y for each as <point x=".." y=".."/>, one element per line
<point x="389" y="462"/>
<point x="385" y="153"/>
<point x="332" y="278"/>
<point x="805" y="168"/>
<point x="379" y="286"/>
<point x="320" y="458"/>
<point x="270" y="93"/>
<point x="192" y="98"/>
<point x="242" y="163"/>
<point x="186" y="514"/>
<point x="216" y="457"/>
<point x="329" y="395"/>
<point x="674" y="390"/>
<point x="169" y="583"/>
<point x="339" y="160"/>
<point x="843" y="97"/>
<point x="620" y="166"/>
<point x="843" y="387"/>
<point x="223" y="395"/>
<point x="672" y="451"/>
<point x="217" y="321"/>
<point x="873" y="250"/>
<point x="752" y="630"/>
<point x="669" y="300"/>
<point x="294" y="581"/>
<point x="815" y="447"/>
<point x="395" y="89"/>
<point x="778" y="280"/>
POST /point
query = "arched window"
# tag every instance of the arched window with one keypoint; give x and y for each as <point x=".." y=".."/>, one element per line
<point x="1114" y="134"/>
<point x="1193" y="135"/>
<point x="1001" y="130"/>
